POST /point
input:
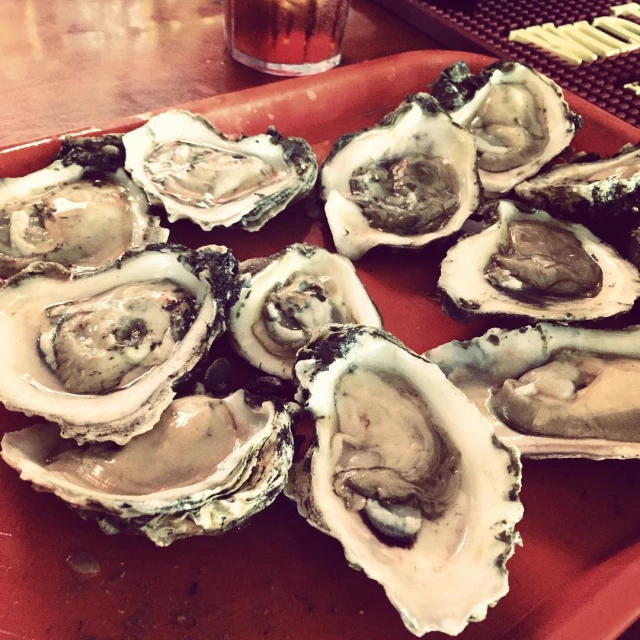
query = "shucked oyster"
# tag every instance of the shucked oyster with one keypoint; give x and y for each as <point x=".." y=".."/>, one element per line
<point x="108" y="341"/>
<point x="82" y="211"/>
<point x="185" y="164"/>
<point x="407" y="475"/>
<point x="206" y="467"/>
<point x="588" y="191"/>
<point x="99" y="353"/>
<point x="532" y="265"/>
<point x="285" y="297"/>
<point x="518" y="117"/>
<point x="405" y="182"/>
<point x="553" y="391"/>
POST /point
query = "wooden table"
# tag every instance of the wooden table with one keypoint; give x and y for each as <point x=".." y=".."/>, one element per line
<point x="76" y="63"/>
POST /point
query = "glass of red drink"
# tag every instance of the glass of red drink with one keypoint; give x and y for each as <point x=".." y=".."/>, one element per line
<point x="286" y="37"/>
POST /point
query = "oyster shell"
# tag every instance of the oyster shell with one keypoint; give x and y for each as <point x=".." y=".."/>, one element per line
<point x="82" y="211"/>
<point x="585" y="191"/>
<point x="518" y="117"/>
<point x="206" y="467"/>
<point x="534" y="266"/>
<point x="99" y="353"/>
<point x="185" y="164"/>
<point x="405" y="182"/>
<point x="286" y="296"/>
<point x="407" y="475"/>
<point x="553" y="391"/>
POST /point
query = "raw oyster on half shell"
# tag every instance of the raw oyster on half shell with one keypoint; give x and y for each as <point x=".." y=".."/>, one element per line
<point x="206" y="467"/>
<point x="99" y="353"/>
<point x="82" y="211"/>
<point x="408" y="181"/>
<point x="195" y="172"/>
<point x="408" y="476"/>
<point x="553" y="391"/>
<point x="285" y="297"/>
<point x="531" y="265"/>
<point x="588" y="191"/>
<point x="518" y="117"/>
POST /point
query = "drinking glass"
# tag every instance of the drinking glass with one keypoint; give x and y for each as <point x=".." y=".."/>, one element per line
<point x="286" y="37"/>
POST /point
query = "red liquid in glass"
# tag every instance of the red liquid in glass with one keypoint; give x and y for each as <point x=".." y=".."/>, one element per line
<point x="286" y="31"/>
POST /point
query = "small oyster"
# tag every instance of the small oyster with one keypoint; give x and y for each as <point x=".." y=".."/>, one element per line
<point x="407" y="475"/>
<point x="534" y="266"/>
<point x="185" y="164"/>
<point x="588" y="191"/>
<point x="82" y="211"/>
<point x="405" y="182"/>
<point x="553" y="391"/>
<point x="206" y="467"/>
<point x="518" y="117"/>
<point x="286" y="296"/>
<point x="99" y="353"/>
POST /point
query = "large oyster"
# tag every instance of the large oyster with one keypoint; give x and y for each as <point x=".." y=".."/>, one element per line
<point x="405" y="182"/>
<point x="99" y="353"/>
<point x="518" y="117"/>
<point x="553" y="391"/>
<point x="82" y="211"/>
<point x="588" y="191"/>
<point x="206" y="467"/>
<point x="407" y="475"/>
<point x="185" y="164"/>
<point x="531" y="265"/>
<point x="286" y="296"/>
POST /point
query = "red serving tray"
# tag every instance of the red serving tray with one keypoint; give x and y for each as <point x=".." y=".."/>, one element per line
<point x="577" y="576"/>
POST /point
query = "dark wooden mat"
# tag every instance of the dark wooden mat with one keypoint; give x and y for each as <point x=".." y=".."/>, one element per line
<point x="484" y="26"/>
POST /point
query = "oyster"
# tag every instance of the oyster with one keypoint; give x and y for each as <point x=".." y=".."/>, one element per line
<point x="288" y="295"/>
<point x="518" y="117"/>
<point x="206" y="467"/>
<point x="534" y="266"/>
<point x="405" y="182"/>
<point x="585" y="191"/>
<point x="82" y="211"/>
<point x="553" y="391"/>
<point x="185" y="164"/>
<point x="407" y="475"/>
<point x="99" y="353"/>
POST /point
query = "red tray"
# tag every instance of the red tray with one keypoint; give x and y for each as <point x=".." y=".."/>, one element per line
<point x="577" y="576"/>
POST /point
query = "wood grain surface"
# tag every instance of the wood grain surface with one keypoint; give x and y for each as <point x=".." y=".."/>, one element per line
<point x="76" y="63"/>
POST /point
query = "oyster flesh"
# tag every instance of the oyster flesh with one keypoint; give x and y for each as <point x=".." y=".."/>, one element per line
<point x="553" y="391"/>
<point x="518" y="117"/>
<point x="534" y="266"/>
<point x="99" y="353"/>
<point x="206" y="467"/>
<point x="405" y="182"/>
<point x="82" y="211"/>
<point x="185" y="164"/>
<point x="286" y="296"/>
<point x="407" y="475"/>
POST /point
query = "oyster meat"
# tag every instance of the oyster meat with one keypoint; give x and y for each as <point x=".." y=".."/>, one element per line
<point x="99" y="353"/>
<point x="531" y="265"/>
<point x="553" y="391"/>
<point x="405" y="182"/>
<point x="285" y="297"/>
<point x="82" y="211"/>
<point x="407" y="475"/>
<point x="518" y="117"/>
<point x="206" y="467"/>
<point x="195" y="172"/>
